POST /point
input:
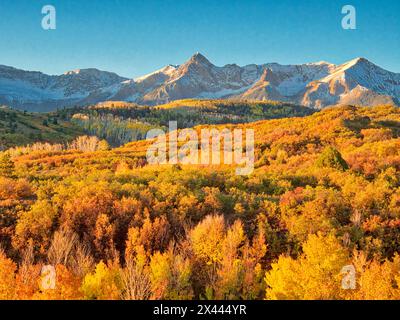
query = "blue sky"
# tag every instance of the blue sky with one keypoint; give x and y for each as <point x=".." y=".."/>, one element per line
<point x="133" y="37"/>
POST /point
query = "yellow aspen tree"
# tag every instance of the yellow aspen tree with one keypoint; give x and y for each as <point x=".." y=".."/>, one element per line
<point x="103" y="284"/>
<point x="316" y="274"/>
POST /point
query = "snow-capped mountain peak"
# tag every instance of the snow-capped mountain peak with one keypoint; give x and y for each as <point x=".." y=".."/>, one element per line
<point x="167" y="70"/>
<point x="315" y="84"/>
<point x="77" y="71"/>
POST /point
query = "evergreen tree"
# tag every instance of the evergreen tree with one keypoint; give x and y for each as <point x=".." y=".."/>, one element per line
<point x="6" y="166"/>
<point x="332" y="158"/>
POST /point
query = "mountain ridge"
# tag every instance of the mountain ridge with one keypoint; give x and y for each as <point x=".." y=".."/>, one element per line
<point x="314" y="85"/>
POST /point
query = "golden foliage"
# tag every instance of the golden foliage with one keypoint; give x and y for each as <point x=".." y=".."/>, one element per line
<point x="190" y="232"/>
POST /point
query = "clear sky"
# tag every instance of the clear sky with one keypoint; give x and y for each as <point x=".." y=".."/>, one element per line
<point x="135" y="37"/>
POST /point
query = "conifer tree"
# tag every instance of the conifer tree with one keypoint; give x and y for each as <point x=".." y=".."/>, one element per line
<point x="7" y="166"/>
<point x="332" y="158"/>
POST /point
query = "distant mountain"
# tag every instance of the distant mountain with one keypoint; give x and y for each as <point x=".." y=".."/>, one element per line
<point x="358" y="82"/>
<point x="315" y="85"/>
<point x="36" y="91"/>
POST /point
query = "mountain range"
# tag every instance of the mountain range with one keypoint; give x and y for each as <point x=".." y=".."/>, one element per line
<point x="316" y="85"/>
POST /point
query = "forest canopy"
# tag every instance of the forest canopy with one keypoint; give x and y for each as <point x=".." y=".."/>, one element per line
<point x="325" y="194"/>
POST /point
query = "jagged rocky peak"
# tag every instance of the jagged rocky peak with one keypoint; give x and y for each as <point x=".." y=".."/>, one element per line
<point x="269" y="76"/>
<point x="199" y="58"/>
<point x="314" y="84"/>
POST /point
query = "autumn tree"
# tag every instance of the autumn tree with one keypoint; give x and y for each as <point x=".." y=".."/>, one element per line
<point x="377" y="280"/>
<point x="230" y="270"/>
<point x="7" y="277"/>
<point x="62" y="247"/>
<point x="28" y="274"/>
<point x="136" y="283"/>
<point x="171" y="276"/>
<point x="316" y="274"/>
<point x="103" y="284"/>
<point x="153" y="235"/>
<point x="82" y="206"/>
<point x="36" y="225"/>
<point x="104" y="236"/>
<point x="207" y="239"/>
<point x="253" y="257"/>
<point x="231" y="264"/>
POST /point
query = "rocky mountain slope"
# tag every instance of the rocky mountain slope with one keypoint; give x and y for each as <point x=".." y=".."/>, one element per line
<point x="315" y="85"/>
<point x="36" y="91"/>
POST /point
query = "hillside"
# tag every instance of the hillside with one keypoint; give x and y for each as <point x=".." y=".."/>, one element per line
<point x="198" y="111"/>
<point x="325" y="194"/>
<point x="292" y="143"/>
<point x="19" y="128"/>
<point x="122" y="122"/>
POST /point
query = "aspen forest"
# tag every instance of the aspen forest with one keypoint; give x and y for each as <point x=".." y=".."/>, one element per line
<point x="324" y="194"/>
